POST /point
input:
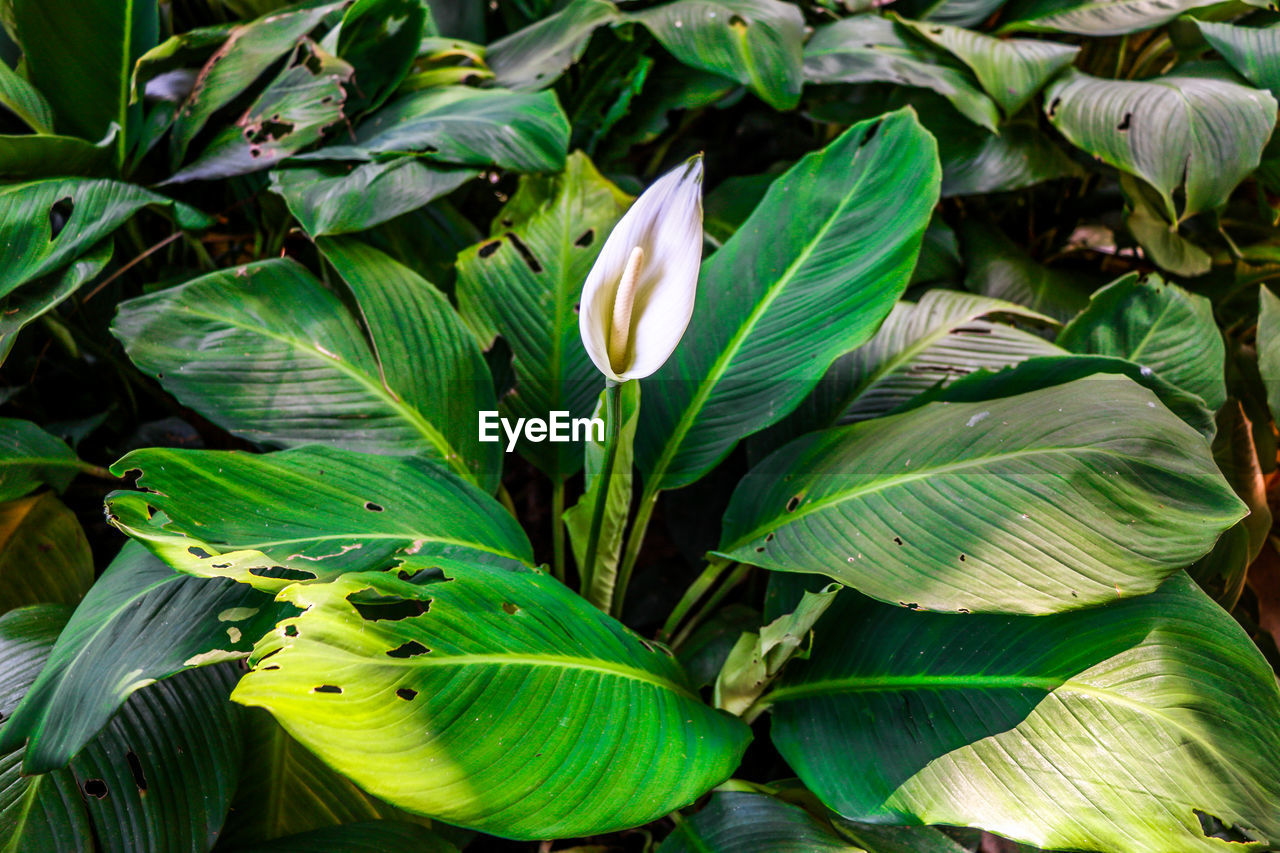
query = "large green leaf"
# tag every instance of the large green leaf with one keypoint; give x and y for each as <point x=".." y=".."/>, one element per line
<point x="523" y="131"/>
<point x="1252" y="51"/>
<point x="31" y="156"/>
<point x="1195" y="130"/>
<point x="45" y="225"/>
<point x="286" y="790"/>
<point x="158" y="777"/>
<point x="871" y="49"/>
<point x="524" y="284"/>
<point x="248" y="51"/>
<point x="1010" y="70"/>
<point x="44" y="555"/>
<point x="534" y="57"/>
<point x="808" y="277"/>
<point x="492" y="699"/>
<point x="380" y="39"/>
<point x="1095" y="17"/>
<point x="999" y="268"/>
<point x="29" y="457"/>
<point x="24" y="100"/>
<point x="741" y="822"/>
<point x="140" y="622"/>
<point x="1119" y="728"/>
<point x="266" y="351"/>
<point x="756" y="42"/>
<point x="1077" y="494"/>
<point x="314" y="511"/>
<point x="79" y="54"/>
<point x="1268" y="349"/>
<point x="1158" y="325"/>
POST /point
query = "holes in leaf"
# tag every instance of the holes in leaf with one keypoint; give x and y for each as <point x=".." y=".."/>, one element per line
<point x="489" y="248"/>
<point x="281" y="573"/>
<point x="793" y="503"/>
<point x="768" y="537"/>
<point x="529" y="259"/>
<point x="372" y="507"/>
<point x="1216" y="827"/>
<point x="408" y="650"/>
<point x="1125" y="122"/>
<point x="588" y="237"/>
<point x="898" y="539"/>
<point x="738" y="22"/>
<point x="962" y="558"/>
<point x="408" y="694"/>
<point x="135" y="768"/>
<point x="910" y="605"/>
<point x="327" y="688"/>
<point x="95" y="788"/>
<point x="871" y="134"/>
<point x="1053" y="107"/>
<point x="59" y="213"/>
<point x="198" y="552"/>
<point x="291" y="630"/>
<point x="376" y="607"/>
<point x="509" y="608"/>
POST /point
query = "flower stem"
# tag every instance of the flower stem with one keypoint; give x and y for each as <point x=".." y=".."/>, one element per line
<point x="612" y="422"/>
<point x="557" y="528"/>
<point x="634" y="540"/>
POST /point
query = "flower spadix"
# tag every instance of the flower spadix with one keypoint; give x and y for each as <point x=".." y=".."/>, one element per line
<point x="638" y="298"/>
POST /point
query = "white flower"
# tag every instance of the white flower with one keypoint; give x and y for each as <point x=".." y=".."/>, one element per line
<point x="638" y="298"/>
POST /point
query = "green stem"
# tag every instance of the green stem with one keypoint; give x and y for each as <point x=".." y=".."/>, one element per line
<point x="634" y="540"/>
<point x="95" y="470"/>
<point x="557" y="529"/>
<point x="739" y="574"/>
<point x="612" y="419"/>
<point x="716" y="567"/>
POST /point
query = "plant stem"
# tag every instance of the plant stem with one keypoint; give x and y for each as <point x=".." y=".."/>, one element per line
<point x="739" y="574"/>
<point x="95" y="470"/>
<point x="716" y="566"/>
<point x="557" y="528"/>
<point x="612" y="420"/>
<point x="632" y="552"/>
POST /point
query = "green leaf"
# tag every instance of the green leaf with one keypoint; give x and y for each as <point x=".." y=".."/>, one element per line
<point x="534" y="57"/>
<point x="1252" y="51"/>
<point x="1157" y="236"/>
<point x="24" y="100"/>
<point x="286" y="790"/>
<point x="139" y="623"/>
<point x="999" y="268"/>
<point x="482" y="709"/>
<point x="817" y="266"/>
<point x="1095" y="17"/>
<point x="1118" y="728"/>
<point x="871" y="49"/>
<point x="741" y="822"/>
<point x="598" y="580"/>
<point x="962" y="13"/>
<point x="30" y="457"/>
<point x="44" y="555"/>
<point x="79" y="54"/>
<point x="878" y="838"/>
<point x="1158" y="325"/>
<point x="1010" y="70"/>
<point x="247" y="53"/>
<point x="46" y="225"/>
<point x="265" y="351"/>
<point x="759" y="43"/>
<point x="31" y="156"/>
<point x="380" y="39"/>
<point x="1268" y="348"/>
<point x="874" y="504"/>
<point x="975" y="162"/>
<point x="524" y="284"/>
<point x="376" y="836"/>
<point x="294" y="111"/>
<point x="1195" y="130"/>
<point x="334" y="198"/>
<point x="315" y="511"/>
<point x="37" y="298"/>
<point x="526" y="132"/>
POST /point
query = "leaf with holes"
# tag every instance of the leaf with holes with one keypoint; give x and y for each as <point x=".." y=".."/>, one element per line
<point x="991" y="506"/>
<point x="808" y="277"/>
<point x="1158" y="325"/>
<point x="497" y="700"/>
<point x="314" y="512"/>
<point x="741" y="822"/>
<point x="1195" y="130"/>
<point x="267" y="352"/>
<point x="1129" y="727"/>
<point x="523" y="284"/>
<point x="872" y="49"/>
<point x="44" y="555"/>
<point x="534" y="57"/>
<point x="140" y="622"/>
<point x="30" y="457"/>
<point x="756" y="42"/>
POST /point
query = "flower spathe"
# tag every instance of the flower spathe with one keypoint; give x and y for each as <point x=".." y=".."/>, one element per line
<point x="638" y="297"/>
